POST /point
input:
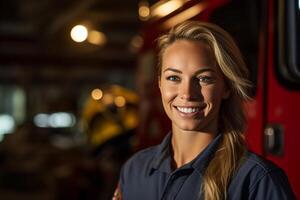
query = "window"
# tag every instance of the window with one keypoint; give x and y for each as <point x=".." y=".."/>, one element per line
<point x="289" y="43"/>
<point x="242" y="20"/>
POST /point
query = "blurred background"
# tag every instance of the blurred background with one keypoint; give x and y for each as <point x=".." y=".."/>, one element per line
<point x="68" y="105"/>
<point x="78" y="87"/>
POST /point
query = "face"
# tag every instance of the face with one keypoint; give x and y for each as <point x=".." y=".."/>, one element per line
<point x="192" y="86"/>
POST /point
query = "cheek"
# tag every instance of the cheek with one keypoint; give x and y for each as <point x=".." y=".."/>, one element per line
<point x="166" y="95"/>
<point x="167" y="92"/>
<point x="213" y="95"/>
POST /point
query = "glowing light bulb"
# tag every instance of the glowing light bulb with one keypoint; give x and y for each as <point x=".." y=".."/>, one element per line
<point x="166" y="8"/>
<point x="97" y="94"/>
<point x="97" y="37"/>
<point x="79" y="33"/>
<point x="144" y="10"/>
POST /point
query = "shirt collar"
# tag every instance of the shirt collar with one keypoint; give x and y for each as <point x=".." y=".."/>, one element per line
<point x="202" y="160"/>
<point x="162" y="157"/>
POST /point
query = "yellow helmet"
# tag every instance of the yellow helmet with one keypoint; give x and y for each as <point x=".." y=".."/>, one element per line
<point x="109" y="112"/>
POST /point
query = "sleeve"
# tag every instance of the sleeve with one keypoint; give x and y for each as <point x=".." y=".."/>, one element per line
<point x="273" y="185"/>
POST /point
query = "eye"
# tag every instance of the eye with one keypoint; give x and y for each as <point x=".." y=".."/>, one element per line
<point x="205" y="80"/>
<point x="173" y="78"/>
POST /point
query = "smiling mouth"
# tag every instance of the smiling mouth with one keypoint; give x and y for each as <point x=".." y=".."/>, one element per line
<point x="188" y="110"/>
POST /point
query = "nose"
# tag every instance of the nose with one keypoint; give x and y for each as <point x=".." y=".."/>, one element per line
<point x="189" y="90"/>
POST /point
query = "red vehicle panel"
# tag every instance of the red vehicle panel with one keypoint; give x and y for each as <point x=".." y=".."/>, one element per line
<point x="273" y="115"/>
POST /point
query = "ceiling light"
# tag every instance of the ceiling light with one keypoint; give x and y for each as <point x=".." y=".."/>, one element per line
<point x="97" y="94"/>
<point x="79" y="33"/>
<point x="185" y="15"/>
<point x="96" y="37"/>
<point x="144" y="10"/>
<point x="163" y="8"/>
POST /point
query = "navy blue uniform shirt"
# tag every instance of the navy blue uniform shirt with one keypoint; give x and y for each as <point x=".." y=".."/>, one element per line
<point x="148" y="176"/>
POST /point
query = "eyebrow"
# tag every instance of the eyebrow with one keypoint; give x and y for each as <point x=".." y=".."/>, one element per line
<point x="197" y="72"/>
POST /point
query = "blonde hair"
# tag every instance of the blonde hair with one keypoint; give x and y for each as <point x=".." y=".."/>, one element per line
<point x="232" y="121"/>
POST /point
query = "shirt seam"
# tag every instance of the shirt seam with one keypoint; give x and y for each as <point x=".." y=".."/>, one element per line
<point x="267" y="172"/>
<point x="265" y="169"/>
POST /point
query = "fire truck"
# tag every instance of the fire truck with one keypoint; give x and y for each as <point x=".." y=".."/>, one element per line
<point x="267" y="32"/>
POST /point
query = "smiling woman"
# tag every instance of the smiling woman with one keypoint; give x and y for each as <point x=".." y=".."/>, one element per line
<point x="203" y="82"/>
<point x="192" y="87"/>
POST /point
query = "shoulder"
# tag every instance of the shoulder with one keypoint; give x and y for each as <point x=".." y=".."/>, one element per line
<point x="256" y="164"/>
<point x="257" y="168"/>
<point x="134" y="174"/>
<point x="260" y="177"/>
<point x="140" y="163"/>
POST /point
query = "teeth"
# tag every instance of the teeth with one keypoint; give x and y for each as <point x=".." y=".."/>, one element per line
<point x="188" y="110"/>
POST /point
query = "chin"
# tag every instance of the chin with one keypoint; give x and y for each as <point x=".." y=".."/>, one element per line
<point x="188" y="127"/>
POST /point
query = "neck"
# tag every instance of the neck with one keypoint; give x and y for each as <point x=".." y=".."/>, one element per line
<point x="187" y="145"/>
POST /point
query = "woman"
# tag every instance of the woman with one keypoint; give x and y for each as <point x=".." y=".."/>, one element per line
<point x="203" y="82"/>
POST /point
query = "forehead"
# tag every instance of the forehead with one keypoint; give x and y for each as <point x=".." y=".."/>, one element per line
<point x="188" y="51"/>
